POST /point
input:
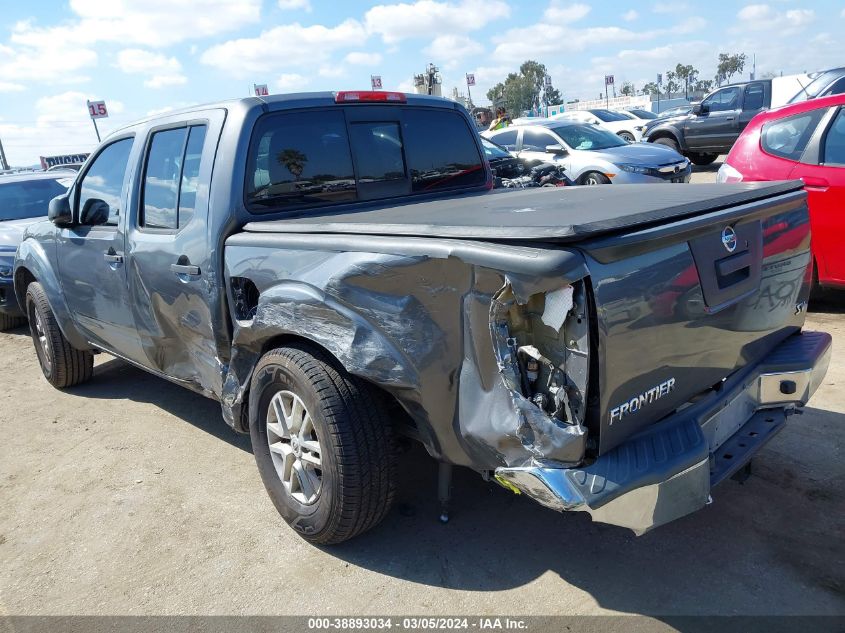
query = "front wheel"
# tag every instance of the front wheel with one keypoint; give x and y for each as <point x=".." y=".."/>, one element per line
<point x="62" y="364"/>
<point x="323" y="444"/>
<point x="703" y="159"/>
<point x="594" y="178"/>
<point x="627" y="136"/>
<point x="668" y="142"/>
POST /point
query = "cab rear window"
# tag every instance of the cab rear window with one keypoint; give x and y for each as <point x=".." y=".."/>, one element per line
<point x="318" y="158"/>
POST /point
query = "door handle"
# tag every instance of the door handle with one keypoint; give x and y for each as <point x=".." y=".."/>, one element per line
<point x="730" y="118"/>
<point x="113" y="258"/>
<point x="815" y="182"/>
<point x="185" y="269"/>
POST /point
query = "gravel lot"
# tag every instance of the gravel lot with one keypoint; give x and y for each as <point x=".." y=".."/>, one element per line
<point x="129" y="495"/>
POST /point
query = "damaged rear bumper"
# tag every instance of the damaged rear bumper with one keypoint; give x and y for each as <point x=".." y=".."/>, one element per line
<point x="667" y="470"/>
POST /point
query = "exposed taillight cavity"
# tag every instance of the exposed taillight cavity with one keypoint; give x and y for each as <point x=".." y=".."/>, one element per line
<point x="728" y="174"/>
<point x="369" y="96"/>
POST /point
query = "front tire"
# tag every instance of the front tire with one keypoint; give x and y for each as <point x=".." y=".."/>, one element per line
<point x="323" y="444"/>
<point x="627" y="136"/>
<point x="594" y="178"/>
<point x="668" y="142"/>
<point x="62" y="364"/>
<point x="703" y="159"/>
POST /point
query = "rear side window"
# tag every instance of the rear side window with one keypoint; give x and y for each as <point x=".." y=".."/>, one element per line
<point x="788" y="137"/>
<point x="170" y="177"/>
<point x="833" y="152"/>
<point x="300" y="159"/>
<point x="506" y="139"/>
<point x="441" y="150"/>
<point x="753" y="97"/>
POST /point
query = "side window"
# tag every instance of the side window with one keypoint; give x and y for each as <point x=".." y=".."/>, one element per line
<point x="441" y="149"/>
<point x="300" y="159"/>
<point x="101" y="189"/>
<point x="161" y="179"/>
<point x="378" y="151"/>
<point x="753" y="97"/>
<point x="171" y="176"/>
<point x="725" y="99"/>
<point x="836" y="88"/>
<point x="190" y="174"/>
<point x="506" y="139"/>
<point x="788" y="137"/>
<point x="536" y="140"/>
<point x="833" y="151"/>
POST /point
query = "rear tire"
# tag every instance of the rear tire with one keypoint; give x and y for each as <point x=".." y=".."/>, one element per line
<point x="703" y="159"/>
<point x="62" y="364"/>
<point x="331" y="469"/>
<point x="594" y="178"/>
<point x="8" y="322"/>
<point x="668" y="142"/>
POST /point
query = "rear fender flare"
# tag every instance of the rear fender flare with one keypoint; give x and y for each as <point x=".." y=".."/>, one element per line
<point x="32" y="262"/>
<point x="669" y="131"/>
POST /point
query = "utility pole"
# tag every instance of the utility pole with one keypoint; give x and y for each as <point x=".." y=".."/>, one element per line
<point x="3" y="163"/>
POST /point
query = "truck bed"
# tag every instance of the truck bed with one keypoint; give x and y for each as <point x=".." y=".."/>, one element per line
<point x="565" y="214"/>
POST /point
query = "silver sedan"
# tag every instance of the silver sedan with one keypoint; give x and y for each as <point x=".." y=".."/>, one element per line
<point x="592" y="155"/>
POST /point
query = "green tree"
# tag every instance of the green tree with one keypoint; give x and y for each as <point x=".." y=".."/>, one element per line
<point x="521" y="91"/>
<point x="672" y="84"/>
<point x="705" y="85"/>
<point x="729" y="65"/>
<point x="552" y="96"/>
<point x="686" y="74"/>
<point x="628" y="89"/>
<point x="651" y="88"/>
<point x="293" y="160"/>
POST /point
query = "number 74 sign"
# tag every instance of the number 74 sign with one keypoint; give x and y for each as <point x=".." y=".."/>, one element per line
<point x="97" y="109"/>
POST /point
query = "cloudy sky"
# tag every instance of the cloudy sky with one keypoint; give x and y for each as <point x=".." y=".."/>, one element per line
<point x="144" y="56"/>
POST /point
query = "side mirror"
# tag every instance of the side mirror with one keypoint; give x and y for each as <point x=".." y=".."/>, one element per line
<point x="94" y="213"/>
<point x="558" y="149"/>
<point x="59" y="212"/>
<point x="700" y="108"/>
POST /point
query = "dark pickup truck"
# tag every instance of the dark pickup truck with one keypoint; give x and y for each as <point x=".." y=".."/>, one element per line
<point x="335" y="270"/>
<point x="712" y="126"/>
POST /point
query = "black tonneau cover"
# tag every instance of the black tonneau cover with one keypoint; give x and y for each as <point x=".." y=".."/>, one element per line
<point x="561" y="214"/>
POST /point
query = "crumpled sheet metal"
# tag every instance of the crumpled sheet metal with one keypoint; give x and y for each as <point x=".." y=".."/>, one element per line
<point x="418" y="327"/>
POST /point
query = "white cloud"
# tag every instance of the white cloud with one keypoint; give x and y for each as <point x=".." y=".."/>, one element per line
<point x="287" y="46"/>
<point x="396" y="22"/>
<point x="669" y="7"/>
<point x="8" y="86"/>
<point x="358" y="58"/>
<point x="293" y="5"/>
<point x="160" y="70"/>
<point x="50" y="60"/>
<point x="290" y="82"/>
<point x="452" y="48"/>
<point x="630" y="16"/>
<point x="61" y="126"/>
<point x="762" y="17"/>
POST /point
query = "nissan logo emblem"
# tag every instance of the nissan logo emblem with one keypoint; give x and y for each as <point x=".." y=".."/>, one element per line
<point x="729" y="239"/>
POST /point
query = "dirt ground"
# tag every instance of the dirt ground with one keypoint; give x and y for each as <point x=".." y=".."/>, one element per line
<point x="129" y="495"/>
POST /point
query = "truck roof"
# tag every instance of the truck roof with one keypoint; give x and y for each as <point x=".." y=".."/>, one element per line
<point x="561" y="214"/>
<point x="290" y="100"/>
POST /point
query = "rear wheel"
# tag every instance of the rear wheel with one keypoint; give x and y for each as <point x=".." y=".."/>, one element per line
<point x="10" y="322"/>
<point x="668" y="142"/>
<point x="703" y="159"/>
<point x="323" y="444"/>
<point x="62" y="364"/>
<point x="594" y="178"/>
<point x="627" y="136"/>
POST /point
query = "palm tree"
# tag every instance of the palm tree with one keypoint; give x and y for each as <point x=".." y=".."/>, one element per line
<point x="293" y="160"/>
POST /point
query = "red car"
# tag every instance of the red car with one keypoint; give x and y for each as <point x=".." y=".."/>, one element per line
<point x="804" y="140"/>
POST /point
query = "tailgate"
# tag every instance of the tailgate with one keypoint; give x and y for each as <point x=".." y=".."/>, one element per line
<point x="682" y="305"/>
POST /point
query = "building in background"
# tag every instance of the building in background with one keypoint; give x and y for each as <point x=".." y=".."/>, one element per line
<point x="429" y="82"/>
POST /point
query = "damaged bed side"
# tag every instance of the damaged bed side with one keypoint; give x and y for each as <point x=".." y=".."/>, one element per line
<point x="484" y="346"/>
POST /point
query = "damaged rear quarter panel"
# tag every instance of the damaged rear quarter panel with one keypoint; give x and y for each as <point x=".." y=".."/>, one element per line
<point x="412" y="316"/>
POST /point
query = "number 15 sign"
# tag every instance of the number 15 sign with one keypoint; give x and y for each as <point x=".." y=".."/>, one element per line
<point x="97" y="109"/>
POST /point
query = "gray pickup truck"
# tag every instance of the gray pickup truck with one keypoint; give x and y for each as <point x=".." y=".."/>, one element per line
<point x="335" y="270"/>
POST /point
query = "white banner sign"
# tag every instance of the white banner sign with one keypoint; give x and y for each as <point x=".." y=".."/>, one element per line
<point x="375" y="82"/>
<point x="260" y="90"/>
<point x="470" y="79"/>
<point x="608" y="80"/>
<point x="97" y="109"/>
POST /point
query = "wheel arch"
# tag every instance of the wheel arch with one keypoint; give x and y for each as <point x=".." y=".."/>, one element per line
<point x="668" y="132"/>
